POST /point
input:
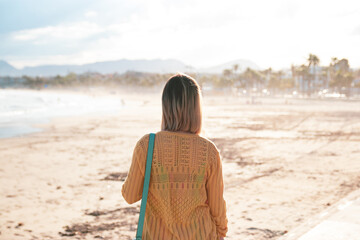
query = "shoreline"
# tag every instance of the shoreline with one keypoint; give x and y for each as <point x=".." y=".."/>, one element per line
<point x="128" y="94"/>
<point x="25" y="121"/>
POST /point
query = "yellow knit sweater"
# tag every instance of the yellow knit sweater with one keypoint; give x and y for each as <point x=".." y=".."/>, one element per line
<point x="185" y="199"/>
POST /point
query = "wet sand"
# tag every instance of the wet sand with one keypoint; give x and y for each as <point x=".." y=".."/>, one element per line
<point x="284" y="161"/>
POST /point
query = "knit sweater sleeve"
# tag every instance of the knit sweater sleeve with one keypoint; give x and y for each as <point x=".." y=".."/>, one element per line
<point x="215" y="189"/>
<point x="133" y="185"/>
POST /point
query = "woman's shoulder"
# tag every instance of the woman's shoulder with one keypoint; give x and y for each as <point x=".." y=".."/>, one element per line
<point x="212" y="146"/>
<point x="143" y="142"/>
<point x="214" y="153"/>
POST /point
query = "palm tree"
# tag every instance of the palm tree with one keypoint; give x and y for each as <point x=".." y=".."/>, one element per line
<point x="313" y="61"/>
<point x="266" y="75"/>
<point x="332" y="70"/>
<point x="303" y="73"/>
<point x="252" y="78"/>
<point x="236" y="75"/>
<point x="227" y="72"/>
<point x="324" y="77"/>
<point x="341" y="74"/>
<point x="235" y="67"/>
<point x="228" y="77"/>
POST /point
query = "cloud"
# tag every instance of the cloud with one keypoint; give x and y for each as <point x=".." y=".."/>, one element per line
<point x="74" y="31"/>
<point x="91" y="14"/>
<point x="357" y="30"/>
<point x="197" y="32"/>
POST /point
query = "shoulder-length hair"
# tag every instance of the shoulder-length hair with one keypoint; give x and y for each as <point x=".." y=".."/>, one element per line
<point x="181" y="105"/>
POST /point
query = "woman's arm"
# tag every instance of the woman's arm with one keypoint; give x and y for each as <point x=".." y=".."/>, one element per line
<point x="215" y="188"/>
<point x="133" y="185"/>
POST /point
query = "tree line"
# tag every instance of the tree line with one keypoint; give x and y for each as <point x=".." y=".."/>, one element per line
<point x="88" y="79"/>
<point x="307" y="78"/>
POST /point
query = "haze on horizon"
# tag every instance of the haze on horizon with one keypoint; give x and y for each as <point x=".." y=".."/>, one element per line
<point x="199" y="33"/>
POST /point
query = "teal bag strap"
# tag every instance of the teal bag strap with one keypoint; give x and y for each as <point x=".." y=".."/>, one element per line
<point x="146" y="186"/>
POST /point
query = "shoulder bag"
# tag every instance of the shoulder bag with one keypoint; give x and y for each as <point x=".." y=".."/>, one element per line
<point x="146" y="186"/>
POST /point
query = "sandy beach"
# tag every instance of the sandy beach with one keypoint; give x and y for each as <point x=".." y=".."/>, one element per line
<point x="284" y="161"/>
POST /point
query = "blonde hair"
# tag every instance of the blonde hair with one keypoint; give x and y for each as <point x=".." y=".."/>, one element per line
<point x="181" y="105"/>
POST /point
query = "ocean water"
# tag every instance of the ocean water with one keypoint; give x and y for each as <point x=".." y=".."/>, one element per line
<point x="21" y="109"/>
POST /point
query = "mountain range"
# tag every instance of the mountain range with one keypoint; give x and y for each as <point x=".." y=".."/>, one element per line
<point x="121" y="66"/>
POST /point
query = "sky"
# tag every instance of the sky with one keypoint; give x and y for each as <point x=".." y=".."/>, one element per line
<point x="274" y="33"/>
